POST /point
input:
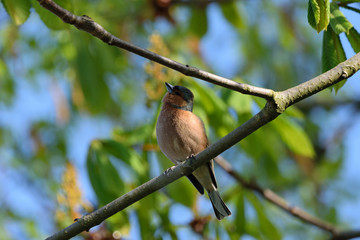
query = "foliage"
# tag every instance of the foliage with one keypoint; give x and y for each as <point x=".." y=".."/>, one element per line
<point x="90" y="80"/>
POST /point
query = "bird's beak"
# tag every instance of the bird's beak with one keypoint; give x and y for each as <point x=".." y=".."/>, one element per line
<point x="169" y="87"/>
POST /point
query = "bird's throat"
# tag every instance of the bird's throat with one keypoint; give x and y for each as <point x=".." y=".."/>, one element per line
<point x="187" y="107"/>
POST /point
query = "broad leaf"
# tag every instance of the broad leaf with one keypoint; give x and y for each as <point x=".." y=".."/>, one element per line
<point x="198" y="21"/>
<point x="294" y="137"/>
<point x="103" y="176"/>
<point x="124" y="153"/>
<point x="338" y="21"/>
<point x="92" y="80"/>
<point x="182" y="191"/>
<point x="231" y="13"/>
<point x="319" y="14"/>
<point x="332" y="53"/>
<point x="18" y="10"/>
<point x="354" y="38"/>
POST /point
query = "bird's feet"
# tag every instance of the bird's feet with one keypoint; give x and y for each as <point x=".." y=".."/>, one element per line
<point x="191" y="156"/>
<point x="167" y="171"/>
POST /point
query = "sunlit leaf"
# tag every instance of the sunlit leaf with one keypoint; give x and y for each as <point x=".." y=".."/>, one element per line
<point x="134" y="136"/>
<point x="103" y="176"/>
<point x="294" y="137"/>
<point x="338" y="21"/>
<point x="232" y="14"/>
<point x="18" y="10"/>
<point x="319" y="14"/>
<point x="124" y="153"/>
<point x="354" y="38"/>
<point x="333" y="53"/>
<point x="240" y="102"/>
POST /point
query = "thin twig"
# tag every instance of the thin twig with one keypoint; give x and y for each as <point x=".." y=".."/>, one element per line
<point x="346" y="235"/>
<point x="275" y="199"/>
<point x="297" y="212"/>
<point x="86" y="24"/>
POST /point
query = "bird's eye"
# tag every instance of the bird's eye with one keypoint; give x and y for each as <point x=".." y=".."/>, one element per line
<point x="178" y="93"/>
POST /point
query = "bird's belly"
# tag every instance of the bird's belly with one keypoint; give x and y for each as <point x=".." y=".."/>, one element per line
<point x="173" y="146"/>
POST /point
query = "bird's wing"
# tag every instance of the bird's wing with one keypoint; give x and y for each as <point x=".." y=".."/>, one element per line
<point x="212" y="172"/>
<point x="196" y="183"/>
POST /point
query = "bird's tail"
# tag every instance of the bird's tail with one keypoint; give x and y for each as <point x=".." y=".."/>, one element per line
<point x="220" y="209"/>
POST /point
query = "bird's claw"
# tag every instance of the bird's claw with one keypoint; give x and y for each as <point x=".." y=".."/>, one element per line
<point x="191" y="156"/>
<point x="167" y="171"/>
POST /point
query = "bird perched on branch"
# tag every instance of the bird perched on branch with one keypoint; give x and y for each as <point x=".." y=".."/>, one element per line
<point x="180" y="135"/>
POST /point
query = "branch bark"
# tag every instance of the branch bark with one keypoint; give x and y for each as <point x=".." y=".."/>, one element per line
<point x="84" y="223"/>
<point x="277" y="102"/>
<point x="86" y="24"/>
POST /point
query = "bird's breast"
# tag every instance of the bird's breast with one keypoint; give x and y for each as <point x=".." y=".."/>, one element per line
<point x="179" y="134"/>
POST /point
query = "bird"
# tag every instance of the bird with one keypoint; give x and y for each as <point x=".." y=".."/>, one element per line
<point x="181" y="134"/>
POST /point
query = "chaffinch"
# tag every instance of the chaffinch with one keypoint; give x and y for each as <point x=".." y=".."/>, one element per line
<point x="180" y="135"/>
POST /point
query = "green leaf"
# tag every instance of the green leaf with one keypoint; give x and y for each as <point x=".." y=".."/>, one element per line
<point x="338" y="21"/>
<point x="294" y="137"/>
<point x="311" y="16"/>
<point x="293" y="111"/>
<point x="240" y="220"/>
<point x="18" y="10"/>
<point x="182" y="191"/>
<point x="313" y="13"/>
<point x="325" y="14"/>
<point x="124" y="153"/>
<point x="265" y="226"/>
<point x="145" y="216"/>
<point x="354" y="38"/>
<point x="50" y="19"/>
<point x="91" y="79"/>
<point x="134" y="136"/>
<point x="231" y="13"/>
<point x="319" y="14"/>
<point x="104" y="178"/>
<point x="332" y="54"/>
<point x="215" y="108"/>
<point x="6" y="84"/>
<point x="240" y="102"/>
<point x="198" y="21"/>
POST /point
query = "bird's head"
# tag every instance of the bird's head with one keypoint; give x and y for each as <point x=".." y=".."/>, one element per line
<point x="179" y="97"/>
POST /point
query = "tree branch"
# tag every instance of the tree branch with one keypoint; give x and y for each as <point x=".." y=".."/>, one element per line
<point x="297" y="212"/>
<point x="86" y="24"/>
<point x="346" y="235"/>
<point x="276" y="104"/>
<point x="84" y="223"/>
